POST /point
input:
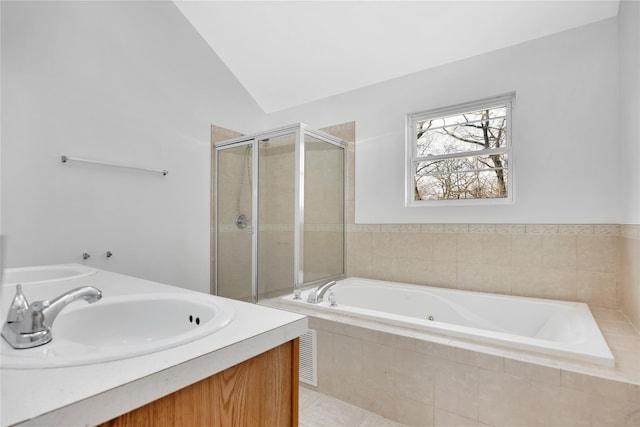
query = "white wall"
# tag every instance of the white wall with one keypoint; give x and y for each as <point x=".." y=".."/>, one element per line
<point x="629" y="23"/>
<point x="564" y="132"/>
<point x="129" y="82"/>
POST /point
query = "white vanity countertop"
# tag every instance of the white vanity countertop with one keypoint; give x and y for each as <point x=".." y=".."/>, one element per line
<point x="92" y="394"/>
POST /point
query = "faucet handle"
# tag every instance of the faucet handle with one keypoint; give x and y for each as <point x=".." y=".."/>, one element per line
<point x="18" y="307"/>
<point x="312" y="297"/>
<point x="332" y="299"/>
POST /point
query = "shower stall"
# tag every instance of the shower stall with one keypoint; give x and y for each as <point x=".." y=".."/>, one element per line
<point x="278" y="212"/>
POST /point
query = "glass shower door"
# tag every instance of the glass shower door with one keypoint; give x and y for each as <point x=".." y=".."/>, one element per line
<point x="276" y="214"/>
<point x="323" y="227"/>
<point x="234" y="214"/>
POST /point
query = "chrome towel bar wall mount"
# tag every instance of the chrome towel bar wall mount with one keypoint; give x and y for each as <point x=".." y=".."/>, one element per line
<point x="64" y="159"/>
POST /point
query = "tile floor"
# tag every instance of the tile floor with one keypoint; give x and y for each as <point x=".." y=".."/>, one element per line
<point x="320" y="410"/>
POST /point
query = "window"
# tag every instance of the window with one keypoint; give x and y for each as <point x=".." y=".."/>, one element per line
<point x="461" y="154"/>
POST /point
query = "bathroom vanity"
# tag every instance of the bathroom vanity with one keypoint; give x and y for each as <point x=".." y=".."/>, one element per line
<point x="244" y="373"/>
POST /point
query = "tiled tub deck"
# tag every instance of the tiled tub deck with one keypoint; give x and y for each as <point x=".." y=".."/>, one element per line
<point x="421" y="379"/>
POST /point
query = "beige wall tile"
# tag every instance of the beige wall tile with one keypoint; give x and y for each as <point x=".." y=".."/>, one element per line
<point x="628" y="279"/>
<point x="378" y="362"/>
<point x="609" y="412"/>
<point x="497" y="250"/>
<point x="469" y="248"/>
<point x="400" y="270"/>
<point x="346" y="371"/>
<point x="480" y="360"/>
<point x="594" y="385"/>
<point x="456" y="228"/>
<point x="578" y="229"/>
<point x="402" y="245"/>
<point x="444" y="275"/>
<point x="375" y="399"/>
<point x="503" y="399"/>
<point x="347" y="356"/>
<point x="487" y="249"/>
<point x="595" y="253"/>
<point x="442" y="351"/>
<point x="526" y="281"/>
<point x="445" y="248"/>
<point x="415" y="378"/>
<point x="532" y="371"/>
<point x="325" y="360"/>
<point x="542" y="229"/>
<point x="364" y="334"/>
<point x="559" y="251"/>
<point x="381" y="244"/>
<point x="555" y="406"/>
<point x="634" y="393"/>
<point x="526" y="250"/>
<point x="456" y="388"/>
<point x="558" y="284"/>
<point x="397" y="341"/>
<point x="597" y="289"/>
<point x="420" y="246"/>
<point x="378" y="378"/>
<point x="423" y="274"/>
<point x="484" y="278"/>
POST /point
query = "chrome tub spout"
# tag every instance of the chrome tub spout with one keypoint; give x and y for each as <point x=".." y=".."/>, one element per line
<point x="317" y="295"/>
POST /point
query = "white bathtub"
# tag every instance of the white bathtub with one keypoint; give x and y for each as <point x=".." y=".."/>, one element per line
<point x="550" y="327"/>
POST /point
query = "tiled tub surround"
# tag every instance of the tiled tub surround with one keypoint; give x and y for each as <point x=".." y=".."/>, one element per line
<point x="420" y="379"/>
<point x="595" y="264"/>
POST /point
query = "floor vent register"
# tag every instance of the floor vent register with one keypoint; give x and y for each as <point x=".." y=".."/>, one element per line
<point x="309" y="358"/>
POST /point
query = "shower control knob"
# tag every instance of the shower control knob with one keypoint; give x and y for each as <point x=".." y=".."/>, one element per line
<point x="241" y="221"/>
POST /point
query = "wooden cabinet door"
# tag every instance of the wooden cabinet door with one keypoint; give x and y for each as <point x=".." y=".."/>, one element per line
<point x="262" y="391"/>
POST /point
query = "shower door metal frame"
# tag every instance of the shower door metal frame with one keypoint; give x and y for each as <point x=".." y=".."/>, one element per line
<point x="299" y="130"/>
<point x="299" y="258"/>
<point x="254" y="209"/>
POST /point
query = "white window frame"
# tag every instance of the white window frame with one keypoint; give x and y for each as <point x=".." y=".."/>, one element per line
<point x="412" y="151"/>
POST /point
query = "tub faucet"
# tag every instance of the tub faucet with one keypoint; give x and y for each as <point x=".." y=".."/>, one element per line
<point x="29" y="325"/>
<point x="317" y="295"/>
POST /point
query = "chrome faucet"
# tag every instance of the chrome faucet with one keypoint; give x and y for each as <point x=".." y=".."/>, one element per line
<point x="316" y="296"/>
<point x="29" y="325"/>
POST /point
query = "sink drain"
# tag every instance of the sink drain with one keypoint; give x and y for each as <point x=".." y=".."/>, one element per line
<point x="430" y="318"/>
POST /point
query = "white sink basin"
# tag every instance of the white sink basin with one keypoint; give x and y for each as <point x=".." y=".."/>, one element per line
<point x="45" y="274"/>
<point x="120" y="327"/>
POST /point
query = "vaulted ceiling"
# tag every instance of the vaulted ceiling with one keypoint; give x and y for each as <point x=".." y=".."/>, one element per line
<point x="286" y="53"/>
